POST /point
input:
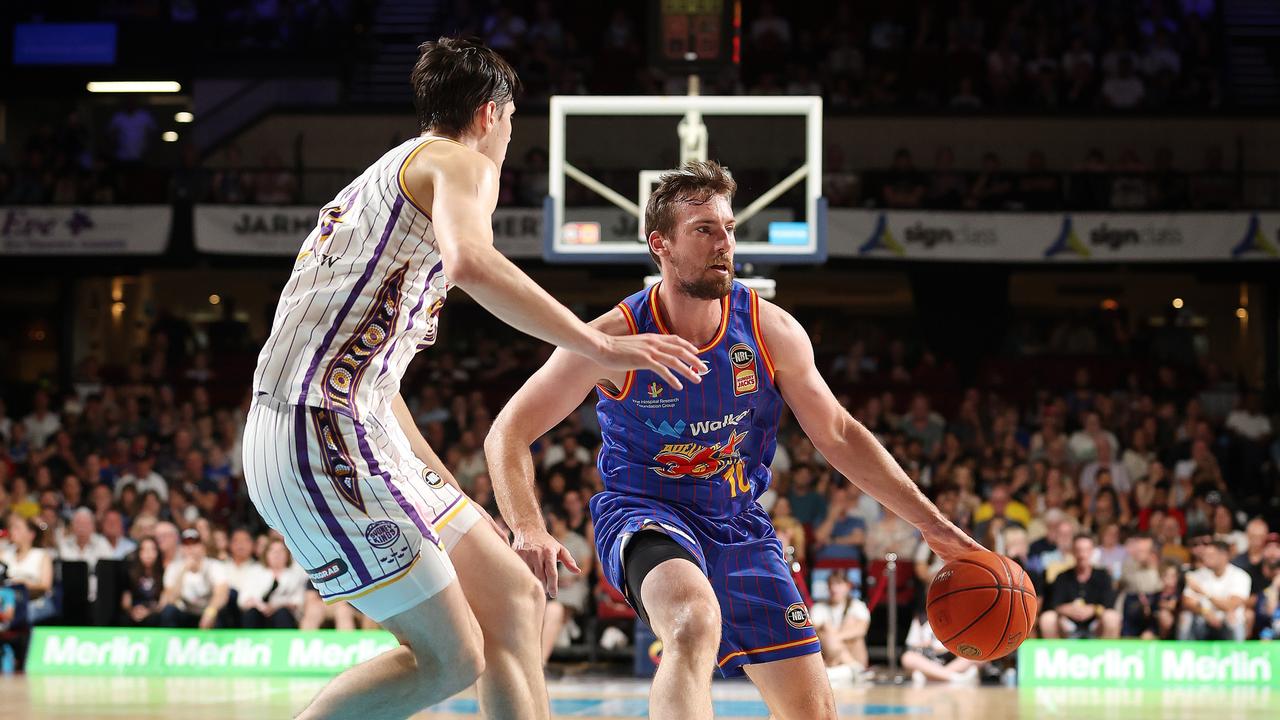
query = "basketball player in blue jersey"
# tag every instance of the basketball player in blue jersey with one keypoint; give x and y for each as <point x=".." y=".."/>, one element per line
<point x="678" y="526"/>
<point x="332" y="457"/>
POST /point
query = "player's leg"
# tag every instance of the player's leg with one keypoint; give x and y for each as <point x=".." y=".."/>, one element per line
<point x="1049" y="625"/>
<point x="834" y="651"/>
<point x="508" y="602"/>
<point x="366" y="547"/>
<point x="684" y="613"/>
<point x="440" y="654"/>
<point x="553" y="621"/>
<point x="796" y="688"/>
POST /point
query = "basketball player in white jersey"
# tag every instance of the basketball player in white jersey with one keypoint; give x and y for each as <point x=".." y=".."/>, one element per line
<point x="333" y="459"/>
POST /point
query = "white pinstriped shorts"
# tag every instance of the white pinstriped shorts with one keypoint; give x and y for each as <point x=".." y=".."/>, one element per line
<point x="360" y="512"/>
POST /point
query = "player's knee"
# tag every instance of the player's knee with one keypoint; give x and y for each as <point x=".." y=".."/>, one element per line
<point x="529" y="595"/>
<point x="460" y="668"/>
<point x="695" y="628"/>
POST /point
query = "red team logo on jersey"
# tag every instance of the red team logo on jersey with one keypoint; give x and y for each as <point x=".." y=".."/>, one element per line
<point x="698" y="461"/>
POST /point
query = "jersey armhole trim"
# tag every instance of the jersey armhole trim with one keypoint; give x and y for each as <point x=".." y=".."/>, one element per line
<point x="759" y="335"/>
<point x="404" y="165"/>
<point x="631" y="375"/>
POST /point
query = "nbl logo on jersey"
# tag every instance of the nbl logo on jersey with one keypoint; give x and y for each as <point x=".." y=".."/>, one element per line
<point x="743" y="359"/>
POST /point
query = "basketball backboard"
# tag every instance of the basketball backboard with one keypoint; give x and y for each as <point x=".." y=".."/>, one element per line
<point x="607" y="152"/>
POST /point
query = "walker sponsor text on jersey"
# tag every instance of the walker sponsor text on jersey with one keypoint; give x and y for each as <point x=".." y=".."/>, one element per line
<point x="729" y="420"/>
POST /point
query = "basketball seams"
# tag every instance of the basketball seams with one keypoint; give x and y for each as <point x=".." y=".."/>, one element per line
<point x="1009" y="618"/>
<point x="957" y="591"/>
<point x="974" y="621"/>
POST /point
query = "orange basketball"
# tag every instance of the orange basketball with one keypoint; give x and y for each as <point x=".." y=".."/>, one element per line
<point x="981" y="606"/>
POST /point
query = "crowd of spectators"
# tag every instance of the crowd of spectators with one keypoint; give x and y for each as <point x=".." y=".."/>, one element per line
<point x="1138" y="508"/>
<point x="1127" y="183"/>
<point x="919" y="55"/>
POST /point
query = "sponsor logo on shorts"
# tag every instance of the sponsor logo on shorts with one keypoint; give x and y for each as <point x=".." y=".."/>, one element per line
<point x="330" y="570"/>
<point x="798" y="616"/>
<point x="382" y="533"/>
<point x="433" y="478"/>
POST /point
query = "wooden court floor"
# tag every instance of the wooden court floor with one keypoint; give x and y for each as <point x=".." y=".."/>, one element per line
<point x="89" y="698"/>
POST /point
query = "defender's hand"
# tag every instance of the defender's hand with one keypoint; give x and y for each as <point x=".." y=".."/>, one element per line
<point x="665" y="355"/>
<point x="540" y="552"/>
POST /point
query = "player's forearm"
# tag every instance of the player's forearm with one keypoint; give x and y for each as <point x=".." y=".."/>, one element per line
<point x="504" y="290"/>
<point x="858" y="456"/>
<point x="421" y="448"/>
<point x="512" y="475"/>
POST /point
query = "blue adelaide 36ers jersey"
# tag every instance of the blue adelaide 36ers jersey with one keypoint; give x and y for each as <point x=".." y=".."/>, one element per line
<point x="708" y="447"/>
<point x="691" y="464"/>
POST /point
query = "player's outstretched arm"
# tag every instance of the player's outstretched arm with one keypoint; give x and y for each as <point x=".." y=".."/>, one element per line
<point x="543" y="402"/>
<point x="844" y="442"/>
<point x="463" y="187"/>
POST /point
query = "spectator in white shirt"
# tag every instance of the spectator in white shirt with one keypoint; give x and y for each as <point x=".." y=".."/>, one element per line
<point x="1083" y="442"/>
<point x="29" y="566"/>
<point x="1124" y="90"/>
<point x="841" y="622"/>
<point x="240" y="566"/>
<point x="83" y="542"/>
<point x="1120" y="480"/>
<point x="144" y="478"/>
<point x="273" y="595"/>
<point x="113" y="531"/>
<point x="1248" y="422"/>
<point x="1214" y="599"/>
<point x="194" y="587"/>
<point x="41" y="424"/>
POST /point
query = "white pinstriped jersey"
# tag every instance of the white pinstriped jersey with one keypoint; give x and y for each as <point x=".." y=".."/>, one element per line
<point x="364" y="297"/>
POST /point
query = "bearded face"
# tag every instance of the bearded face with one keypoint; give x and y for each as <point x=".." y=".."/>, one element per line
<point x="700" y="260"/>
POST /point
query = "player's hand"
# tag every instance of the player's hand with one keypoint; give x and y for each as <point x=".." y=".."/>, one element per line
<point x="540" y="551"/>
<point x="665" y="355"/>
<point x="948" y="541"/>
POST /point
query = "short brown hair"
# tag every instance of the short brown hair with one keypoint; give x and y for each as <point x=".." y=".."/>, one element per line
<point x="695" y="184"/>
<point x="453" y="78"/>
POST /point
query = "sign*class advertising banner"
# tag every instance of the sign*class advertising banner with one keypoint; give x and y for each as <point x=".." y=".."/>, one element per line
<point x="1053" y="237"/>
<point x="1147" y="663"/>
<point x="210" y="653"/>
<point x="84" y="229"/>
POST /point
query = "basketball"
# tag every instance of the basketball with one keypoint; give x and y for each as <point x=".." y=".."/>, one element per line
<point x="981" y="606"/>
